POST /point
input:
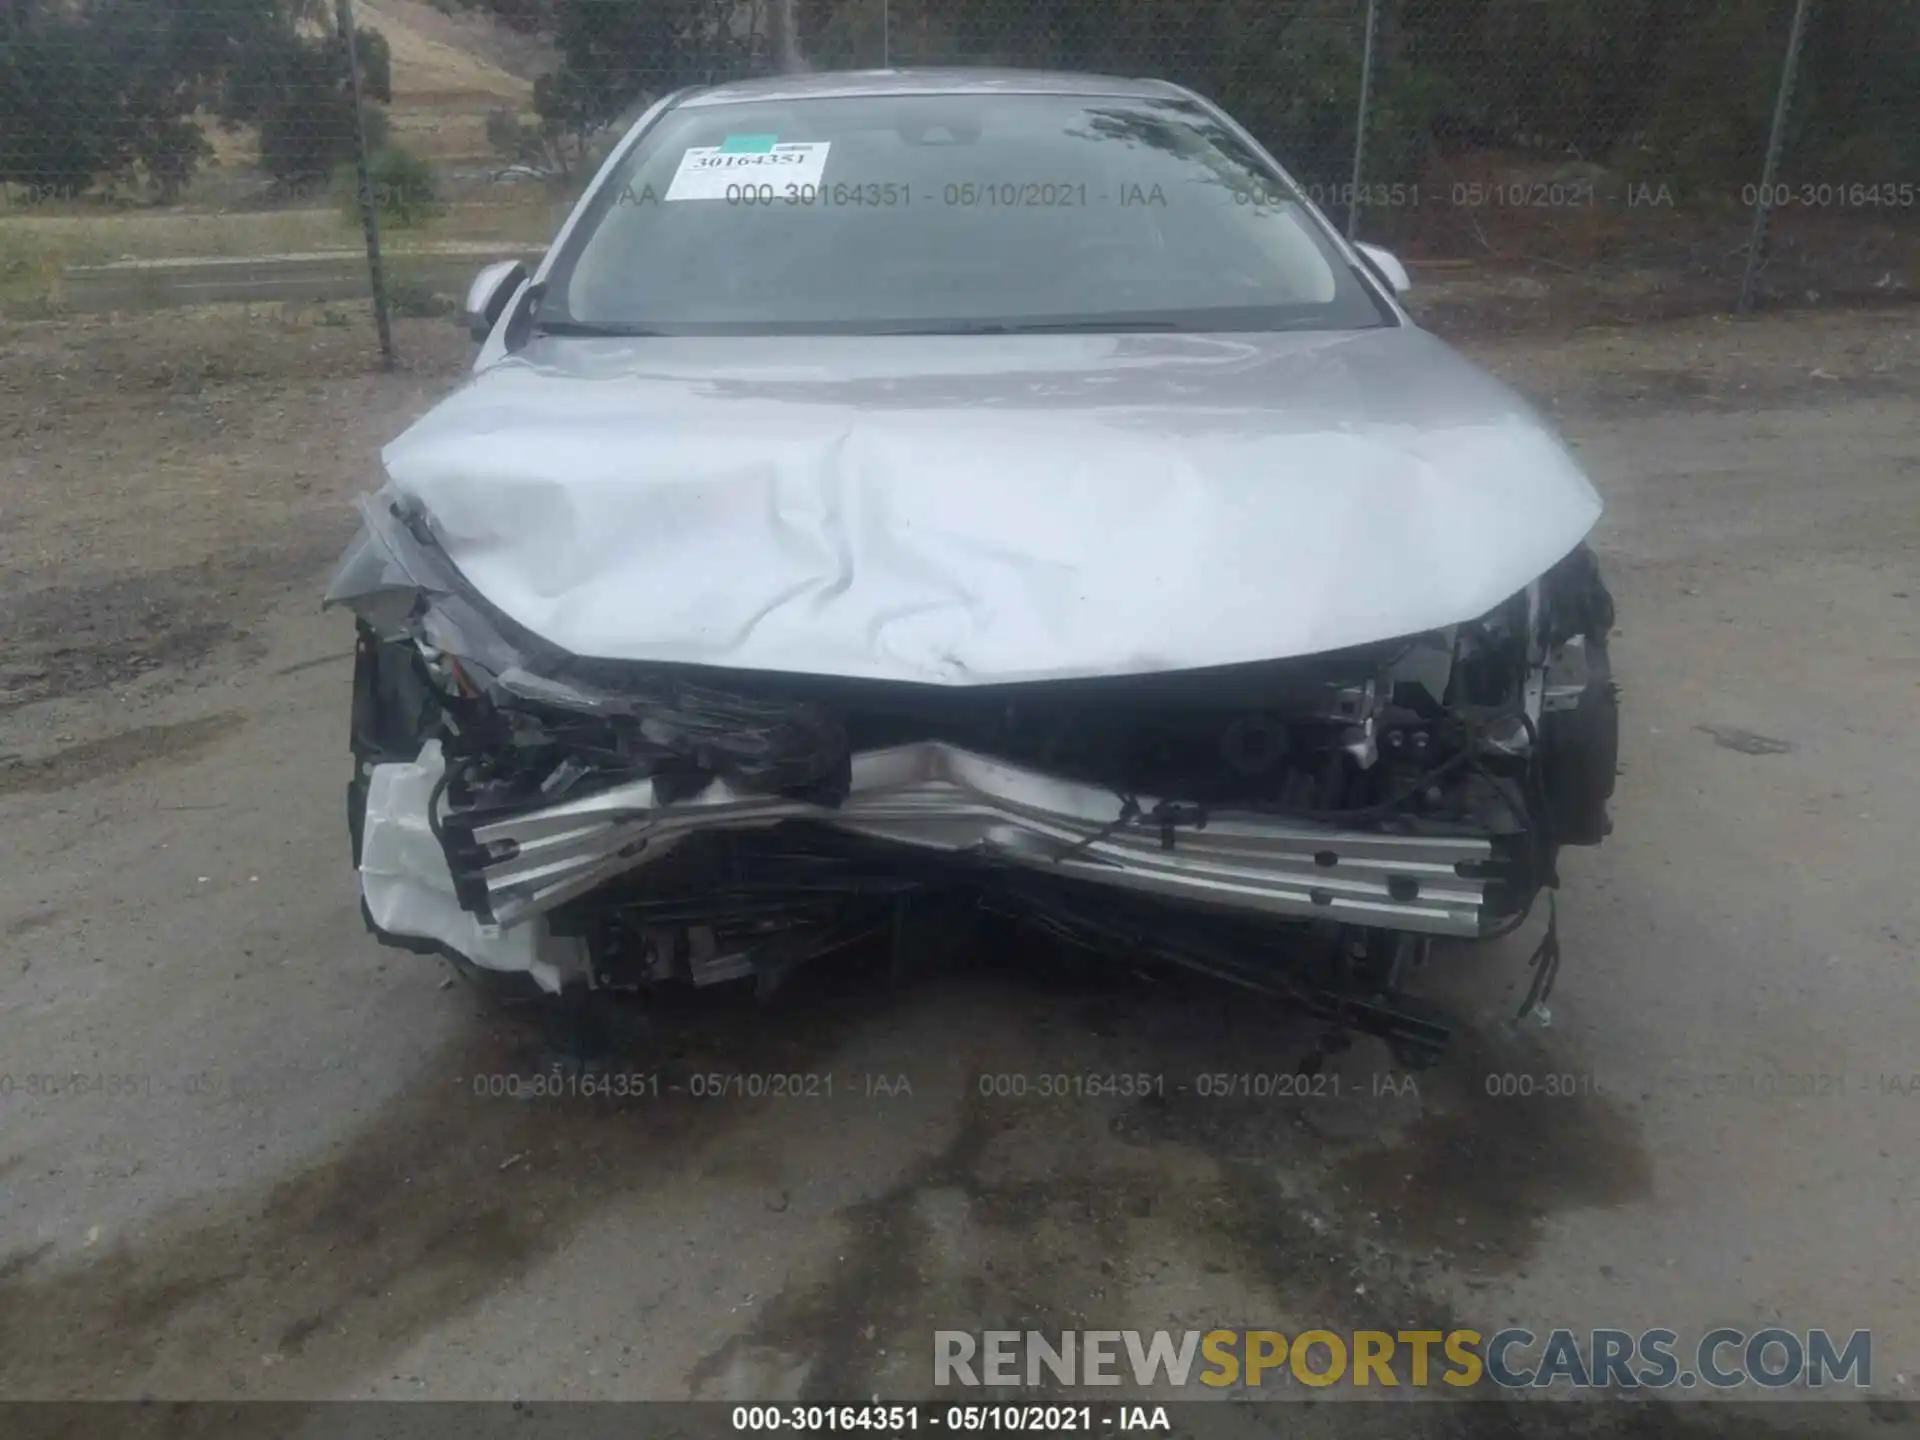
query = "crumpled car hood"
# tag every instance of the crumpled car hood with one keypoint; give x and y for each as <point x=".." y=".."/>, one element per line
<point x="984" y="509"/>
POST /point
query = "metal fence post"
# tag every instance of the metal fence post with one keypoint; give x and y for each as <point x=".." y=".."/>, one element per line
<point x="886" y="34"/>
<point x="1775" y="142"/>
<point x="786" y="37"/>
<point x="1360" y="125"/>
<point x="369" y="211"/>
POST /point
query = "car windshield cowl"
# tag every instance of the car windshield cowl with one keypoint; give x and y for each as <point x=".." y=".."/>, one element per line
<point x="949" y="214"/>
<point x="1213" y="323"/>
<point x="590" y="329"/>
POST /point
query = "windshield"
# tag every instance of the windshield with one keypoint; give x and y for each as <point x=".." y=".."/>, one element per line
<point x="948" y="213"/>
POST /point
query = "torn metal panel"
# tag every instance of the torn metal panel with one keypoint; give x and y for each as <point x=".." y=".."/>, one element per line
<point x="409" y="890"/>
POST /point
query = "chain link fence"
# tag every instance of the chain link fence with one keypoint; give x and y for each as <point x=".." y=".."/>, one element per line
<point x="1669" y="154"/>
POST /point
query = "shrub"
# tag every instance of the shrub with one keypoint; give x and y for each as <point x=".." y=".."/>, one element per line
<point x="520" y="141"/>
<point x="405" y="190"/>
<point x="415" y="300"/>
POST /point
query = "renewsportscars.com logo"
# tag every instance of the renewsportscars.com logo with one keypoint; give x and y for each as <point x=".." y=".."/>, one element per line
<point x="1600" y="1358"/>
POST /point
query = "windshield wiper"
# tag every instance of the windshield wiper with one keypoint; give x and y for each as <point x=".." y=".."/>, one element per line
<point x="592" y="329"/>
<point x="1044" y="327"/>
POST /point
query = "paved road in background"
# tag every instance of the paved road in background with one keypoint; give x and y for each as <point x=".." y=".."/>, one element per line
<point x="294" y="279"/>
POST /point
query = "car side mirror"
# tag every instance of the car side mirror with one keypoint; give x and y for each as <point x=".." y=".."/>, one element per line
<point x="1387" y="266"/>
<point x="492" y="288"/>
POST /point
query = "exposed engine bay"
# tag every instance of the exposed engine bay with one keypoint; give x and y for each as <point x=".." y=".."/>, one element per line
<point x="1305" y="826"/>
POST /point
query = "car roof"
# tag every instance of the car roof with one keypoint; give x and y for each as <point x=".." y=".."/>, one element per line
<point x="836" y="84"/>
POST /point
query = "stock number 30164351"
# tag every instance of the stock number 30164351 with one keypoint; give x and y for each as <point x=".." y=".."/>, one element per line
<point x="876" y="194"/>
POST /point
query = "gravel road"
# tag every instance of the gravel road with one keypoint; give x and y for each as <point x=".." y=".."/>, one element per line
<point x="245" y="1153"/>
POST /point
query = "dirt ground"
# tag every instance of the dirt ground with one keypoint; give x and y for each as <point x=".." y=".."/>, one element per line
<point x="245" y="1153"/>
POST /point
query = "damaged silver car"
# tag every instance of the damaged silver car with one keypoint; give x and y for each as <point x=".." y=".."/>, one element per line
<point x="982" y="488"/>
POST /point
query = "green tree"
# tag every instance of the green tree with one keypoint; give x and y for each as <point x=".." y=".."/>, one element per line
<point x="616" y="54"/>
<point x="296" y="87"/>
<point x="1681" y="87"/>
<point x="94" y="90"/>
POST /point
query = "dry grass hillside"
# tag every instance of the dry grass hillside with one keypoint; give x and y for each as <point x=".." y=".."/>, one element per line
<point x="449" y="71"/>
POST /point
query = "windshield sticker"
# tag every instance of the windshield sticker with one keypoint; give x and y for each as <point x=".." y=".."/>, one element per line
<point x="748" y="144"/>
<point x="710" y="172"/>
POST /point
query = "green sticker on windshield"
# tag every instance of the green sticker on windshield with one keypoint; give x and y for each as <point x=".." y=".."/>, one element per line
<point x="748" y="144"/>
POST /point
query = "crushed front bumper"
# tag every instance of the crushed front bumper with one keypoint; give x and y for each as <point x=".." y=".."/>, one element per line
<point x="599" y="826"/>
<point x="935" y="797"/>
